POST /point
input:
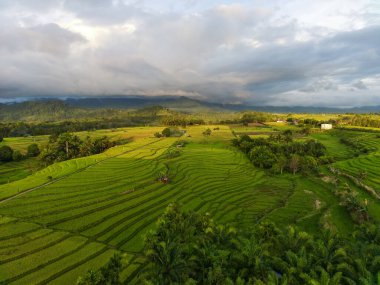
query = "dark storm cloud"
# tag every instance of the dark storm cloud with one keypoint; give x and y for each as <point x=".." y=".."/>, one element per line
<point x="225" y="53"/>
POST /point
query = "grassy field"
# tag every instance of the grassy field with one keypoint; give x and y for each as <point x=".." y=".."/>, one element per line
<point x="53" y="230"/>
<point x="13" y="171"/>
<point x="16" y="170"/>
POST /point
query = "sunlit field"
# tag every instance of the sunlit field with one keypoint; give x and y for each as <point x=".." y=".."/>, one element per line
<point x="77" y="213"/>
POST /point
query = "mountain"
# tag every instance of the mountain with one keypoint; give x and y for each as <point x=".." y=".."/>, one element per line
<point x="186" y="104"/>
<point x="181" y="103"/>
<point x="46" y="109"/>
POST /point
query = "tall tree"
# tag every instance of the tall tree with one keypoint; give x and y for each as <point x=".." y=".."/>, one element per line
<point x="33" y="150"/>
<point x="6" y="153"/>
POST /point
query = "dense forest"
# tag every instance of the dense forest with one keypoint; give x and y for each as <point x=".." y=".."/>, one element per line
<point x="281" y="153"/>
<point x="190" y="248"/>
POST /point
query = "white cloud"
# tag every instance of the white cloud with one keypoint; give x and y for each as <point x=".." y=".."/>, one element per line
<point x="260" y="52"/>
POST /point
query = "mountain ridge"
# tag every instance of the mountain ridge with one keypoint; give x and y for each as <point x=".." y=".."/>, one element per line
<point x="179" y="103"/>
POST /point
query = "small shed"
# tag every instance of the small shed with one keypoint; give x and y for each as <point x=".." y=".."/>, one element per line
<point x="326" y="126"/>
<point x="165" y="179"/>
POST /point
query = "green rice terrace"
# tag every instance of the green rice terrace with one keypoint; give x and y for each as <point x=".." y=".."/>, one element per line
<point x="59" y="221"/>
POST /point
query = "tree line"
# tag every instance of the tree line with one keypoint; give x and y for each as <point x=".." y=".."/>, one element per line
<point x="7" y="154"/>
<point x="190" y="248"/>
<point x="246" y="118"/>
<point x="356" y="144"/>
<point x="281" y="153"/>
<point x="20" y="129"/>
<point x="67" y="146"/>
<point x="365" y="121"/>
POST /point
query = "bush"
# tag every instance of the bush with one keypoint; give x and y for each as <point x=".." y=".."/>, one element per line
<point x="166" y="132"/>
<point x="17" y="156"/>
<point x="262" y="156"/>
<point x="33" y="150"/>
<point x="207" y="132"/>
<point x="6" y="153"/>
<point x="308" y="164"/>
<point x="325" y="159"/>
<point x="123" y="141"/>
<point x="172" y="153"/>
<point x="108" y="274"/>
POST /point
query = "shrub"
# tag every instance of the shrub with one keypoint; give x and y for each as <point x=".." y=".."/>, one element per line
<point x="262" y="156"/>
<point x="166" y="132"/>
<point x="207" y="132"/>
<point x="6" y="153"/>
<point x="33" y="150"/>
<point x="108" y="274"/>
<point x="172" y="153"/>
<point x="17" y="156"/>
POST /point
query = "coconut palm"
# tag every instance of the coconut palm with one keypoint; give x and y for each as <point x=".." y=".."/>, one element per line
<point x="166" y="262"/>
<point x="323" y="278"/>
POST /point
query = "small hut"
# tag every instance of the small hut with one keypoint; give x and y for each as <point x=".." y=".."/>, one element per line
<point x="326" y="126"/>
<point x="165" y="179"/>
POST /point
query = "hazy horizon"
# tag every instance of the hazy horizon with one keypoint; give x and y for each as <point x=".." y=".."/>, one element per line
<point x="264" y="53"/>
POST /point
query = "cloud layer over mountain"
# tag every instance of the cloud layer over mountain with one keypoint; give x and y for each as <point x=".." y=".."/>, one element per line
<point x="296" y="52"/>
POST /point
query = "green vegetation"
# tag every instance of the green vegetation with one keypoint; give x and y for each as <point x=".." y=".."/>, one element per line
<point x="33" y="150"/>
<point x="189" y="248"/>
<point x="169" y="132"/>
<point x="6" y="153"/>
<point x="207" y="132"/>
<point x="101" y="196"/>
<point x="16" y="170"/>
<point x="108" y="274"/>
<point x="67" y="146"/>
<point x="279" y="152"/>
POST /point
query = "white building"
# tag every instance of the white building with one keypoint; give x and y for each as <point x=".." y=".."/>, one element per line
<point x="326" y="126"/>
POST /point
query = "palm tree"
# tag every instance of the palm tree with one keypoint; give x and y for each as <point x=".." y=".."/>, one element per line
<point x="373" y="279"/>
<point x="293" y="240"/>
<point x="254" y="254"/>
<point x="328" y="252"/>
<point x="167" y="263"/>
<point x="323" y="278"/>
<point x="294" y="265"/>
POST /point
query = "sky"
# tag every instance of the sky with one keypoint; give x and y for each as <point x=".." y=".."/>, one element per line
<point x="260" y="52"/>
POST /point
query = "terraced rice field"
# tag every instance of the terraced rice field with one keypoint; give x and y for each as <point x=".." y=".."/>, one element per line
<point x="370" y="164"/>
<point x="21" y="143"/>
<point x="367" y="163"/>
<point x="12" y="171"/>
<point x="53" y="230"/>
<point x="355" y="167"/>
<point x="334" y="148"/>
